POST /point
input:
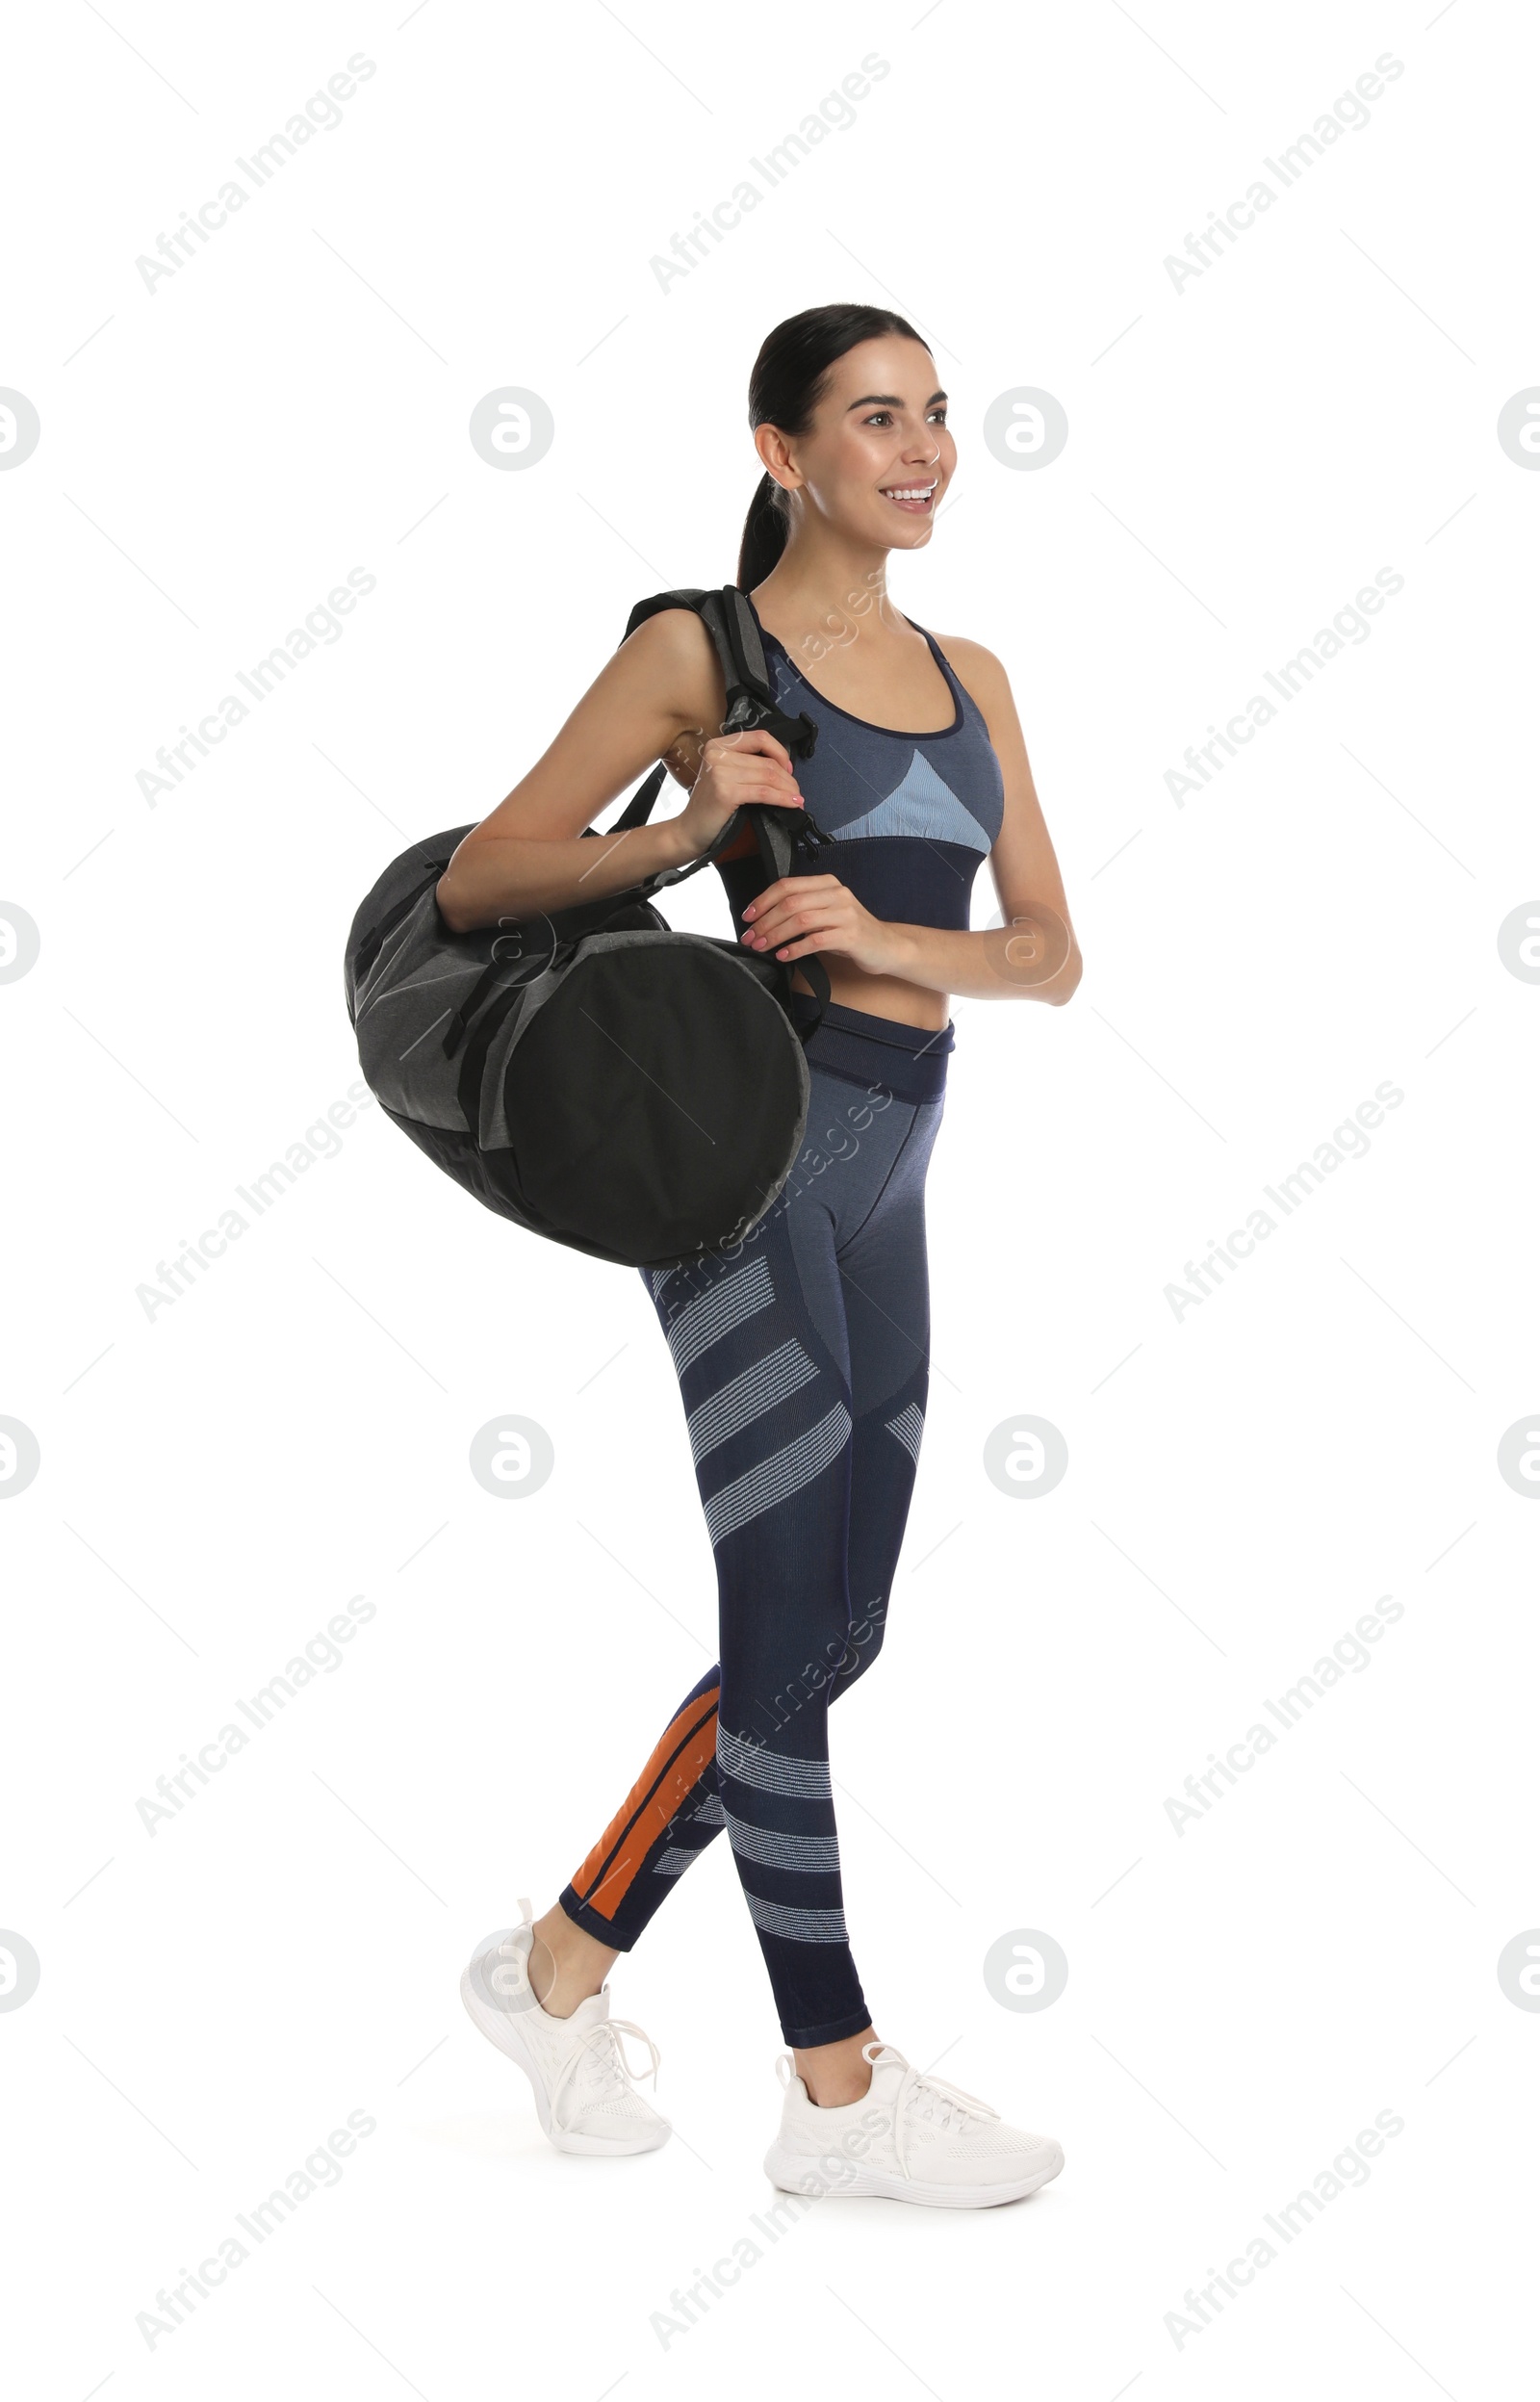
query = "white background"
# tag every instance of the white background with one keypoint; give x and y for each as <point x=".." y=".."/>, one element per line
<point x="1245" y="1479"/>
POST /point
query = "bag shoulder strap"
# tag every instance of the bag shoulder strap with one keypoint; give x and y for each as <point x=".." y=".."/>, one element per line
<point x="730" y="623"/>
<point x="751" y="700"/>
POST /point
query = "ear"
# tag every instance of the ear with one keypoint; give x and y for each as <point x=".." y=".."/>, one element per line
<point x="774" y="458"/>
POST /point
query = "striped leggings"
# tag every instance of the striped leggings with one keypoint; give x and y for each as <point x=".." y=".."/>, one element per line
<point x="803" y="1360"/>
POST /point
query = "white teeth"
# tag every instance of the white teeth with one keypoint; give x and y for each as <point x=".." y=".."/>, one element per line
<point x="914" y="492"/>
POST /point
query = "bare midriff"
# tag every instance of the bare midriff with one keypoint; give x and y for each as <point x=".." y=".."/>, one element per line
<point x="880" y="996"/>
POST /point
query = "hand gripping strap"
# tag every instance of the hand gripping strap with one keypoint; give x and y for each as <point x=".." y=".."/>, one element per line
<point x="750" y="703"/>
<point x="776" y="849"/>
<point x="729" y="621"/>
<point x="749" y="700"/>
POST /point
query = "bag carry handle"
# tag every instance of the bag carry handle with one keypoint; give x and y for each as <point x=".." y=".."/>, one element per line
<point x="751" y="704"/>
<point x="776" y="844"/>
<point x="750" y="697"/>
<point x="751" y="701"/>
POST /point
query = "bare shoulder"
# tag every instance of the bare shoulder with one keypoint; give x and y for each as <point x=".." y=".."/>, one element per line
<point x="676" y="655"/>
<point x="982" y="674"/>
<point x="965" y="655"/>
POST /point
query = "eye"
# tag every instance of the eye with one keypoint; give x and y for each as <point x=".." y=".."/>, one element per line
<point x="885" y="415"/>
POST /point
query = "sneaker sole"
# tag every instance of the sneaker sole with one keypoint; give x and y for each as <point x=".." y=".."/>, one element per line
<point x="503" y="2029"/>
<point x="794" y="2173"/>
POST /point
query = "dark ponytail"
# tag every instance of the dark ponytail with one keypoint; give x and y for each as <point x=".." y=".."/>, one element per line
<point x="790" y="378"/>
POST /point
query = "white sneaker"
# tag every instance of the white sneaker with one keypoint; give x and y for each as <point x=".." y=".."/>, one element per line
<point x="583" y="2081"/>
<point x="909" y="2138"/>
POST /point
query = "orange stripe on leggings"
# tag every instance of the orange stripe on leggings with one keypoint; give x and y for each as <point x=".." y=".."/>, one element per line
<point x="676" y="1762"/>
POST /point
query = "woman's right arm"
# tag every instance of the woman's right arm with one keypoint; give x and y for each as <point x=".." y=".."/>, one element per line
<point x="651" y="701"/>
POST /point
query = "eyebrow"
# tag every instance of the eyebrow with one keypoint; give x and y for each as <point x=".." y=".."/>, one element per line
<point x="891" y="400"/>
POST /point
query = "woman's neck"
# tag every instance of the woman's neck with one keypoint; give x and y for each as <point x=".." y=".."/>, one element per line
<point x="813" y="596"/>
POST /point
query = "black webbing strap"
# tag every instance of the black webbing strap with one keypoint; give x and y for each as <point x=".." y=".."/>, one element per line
<point x="778" y="832"/>
<point x="639" y="808"/>
<point x="751" y="703"/>
<point x="492" y="974"/>
<point x="818" y="976"/>
<point x="751" y="700"/>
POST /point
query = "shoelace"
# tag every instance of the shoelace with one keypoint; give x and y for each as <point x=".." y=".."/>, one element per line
<point x="606" y="2059"/>
<point x="607" y="2062"/>
<point x="912" y="2085"/>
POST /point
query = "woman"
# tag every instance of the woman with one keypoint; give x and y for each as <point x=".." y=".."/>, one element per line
<point x="802" y="1353"/>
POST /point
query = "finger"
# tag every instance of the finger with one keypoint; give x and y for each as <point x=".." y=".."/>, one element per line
<point x="764" y="936"/>
<point x="756" y="739"/>
<point x="787" y="889"/>
<point x="774" y="925"/>
<point x="810" y="925"/>
<point x="756" y="782"/>
<point x="784" y="928"/>
<point x="752" y="777"/>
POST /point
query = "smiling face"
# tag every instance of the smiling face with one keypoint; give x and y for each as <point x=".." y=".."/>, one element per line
<point x="878" y="456"/>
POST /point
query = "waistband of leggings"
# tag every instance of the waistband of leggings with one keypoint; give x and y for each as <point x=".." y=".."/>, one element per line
<point x="910" y="1061"/>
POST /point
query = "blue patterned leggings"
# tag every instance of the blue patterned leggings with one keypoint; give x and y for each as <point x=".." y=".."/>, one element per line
<point x="803" y="1360"/>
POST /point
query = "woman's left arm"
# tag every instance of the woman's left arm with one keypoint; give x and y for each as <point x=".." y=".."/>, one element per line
<point x="1034" y="956"/>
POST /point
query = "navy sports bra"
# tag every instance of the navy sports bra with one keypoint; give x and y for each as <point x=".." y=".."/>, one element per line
<point x="914" y="814"/>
